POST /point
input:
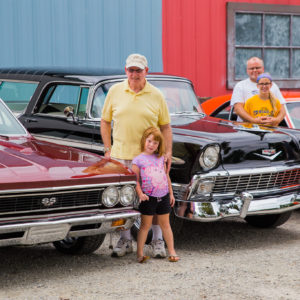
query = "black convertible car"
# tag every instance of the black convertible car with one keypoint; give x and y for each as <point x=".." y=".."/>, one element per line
<point x="220" y="168"/>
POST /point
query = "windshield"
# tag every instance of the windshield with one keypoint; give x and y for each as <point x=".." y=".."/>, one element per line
<point x="16" y="94"/>
<point x="179" y="96"/>
<point x="9" y="126"/>
<point x="293" y="109"/>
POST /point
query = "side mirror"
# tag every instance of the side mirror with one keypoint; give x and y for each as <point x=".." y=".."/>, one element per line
<point x="69" y="111"/>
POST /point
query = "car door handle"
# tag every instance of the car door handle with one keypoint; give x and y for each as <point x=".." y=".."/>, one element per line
<point x="30" y="120"/>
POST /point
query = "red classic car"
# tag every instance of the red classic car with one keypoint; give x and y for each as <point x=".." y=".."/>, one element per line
<point x="54" y="193"/>
<point x="219" y="107"/>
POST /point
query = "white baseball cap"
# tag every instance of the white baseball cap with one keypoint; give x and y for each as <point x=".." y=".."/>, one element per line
<point x="136" y="60"/>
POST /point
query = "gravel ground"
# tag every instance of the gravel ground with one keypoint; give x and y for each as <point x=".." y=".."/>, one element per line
<point x="223" y="260"/>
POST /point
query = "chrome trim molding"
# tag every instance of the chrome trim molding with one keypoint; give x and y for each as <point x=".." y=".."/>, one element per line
<point x="239" y="172"/>
<point x="54" y="229"/>
<point x="240" y="206"/>
<point x="86" y="187"/>
<point x="64" y="141"/>
<point x="62" y="215"/>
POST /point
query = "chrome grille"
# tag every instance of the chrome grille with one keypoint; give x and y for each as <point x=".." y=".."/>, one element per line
<point x="252" y="182"/>
<point x="33" y="202"/>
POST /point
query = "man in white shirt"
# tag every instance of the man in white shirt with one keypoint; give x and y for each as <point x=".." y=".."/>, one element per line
<point x="247" y="88"/>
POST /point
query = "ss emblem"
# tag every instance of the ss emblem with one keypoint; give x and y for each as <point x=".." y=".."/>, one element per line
<point x="48" y="201"/>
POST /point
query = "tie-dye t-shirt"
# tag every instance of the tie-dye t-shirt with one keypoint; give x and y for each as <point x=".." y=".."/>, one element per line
<point x="153" y="177"/>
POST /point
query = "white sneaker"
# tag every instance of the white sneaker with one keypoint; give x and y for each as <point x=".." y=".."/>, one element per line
<point x="123" y="247"/>
<point x="158" y="248"/>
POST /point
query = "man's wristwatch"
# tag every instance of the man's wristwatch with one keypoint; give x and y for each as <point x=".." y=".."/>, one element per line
<point x="106" y="149"/>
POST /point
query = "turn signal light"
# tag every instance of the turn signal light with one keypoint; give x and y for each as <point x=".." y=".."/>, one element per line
<point x="118" y="222"/>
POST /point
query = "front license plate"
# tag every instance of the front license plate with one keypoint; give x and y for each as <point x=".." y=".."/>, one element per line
<point x="49" y="233"/>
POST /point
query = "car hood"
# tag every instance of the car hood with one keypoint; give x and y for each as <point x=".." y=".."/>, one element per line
<point x="29" y="163"/>
<point x="239" y="141"/>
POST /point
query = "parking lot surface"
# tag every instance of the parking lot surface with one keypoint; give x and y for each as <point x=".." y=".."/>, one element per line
<point x="223" y="260"/>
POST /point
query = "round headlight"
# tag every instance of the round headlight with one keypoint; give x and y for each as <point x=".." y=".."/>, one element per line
<point x="209" y="157"/>
<point x="127" y="195"/>
<point x="110" y="196"/>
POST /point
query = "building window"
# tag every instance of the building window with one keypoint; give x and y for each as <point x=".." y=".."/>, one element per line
<point x="271" y="32"/>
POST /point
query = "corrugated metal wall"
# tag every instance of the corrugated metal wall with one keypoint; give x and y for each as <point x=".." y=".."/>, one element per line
<point x="80" y="33"/>
<point x="196" y="31"/>
<point x="194" y="41"/>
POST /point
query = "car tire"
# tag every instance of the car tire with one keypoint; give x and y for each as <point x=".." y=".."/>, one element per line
<point x="135" y="229"/>
<point x="79" y="245"/>
<point x="267" y="221"/>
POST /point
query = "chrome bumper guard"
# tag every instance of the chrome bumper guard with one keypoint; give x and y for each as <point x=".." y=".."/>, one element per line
<point x="55" y="228"/>
<point x="241" y="206"/>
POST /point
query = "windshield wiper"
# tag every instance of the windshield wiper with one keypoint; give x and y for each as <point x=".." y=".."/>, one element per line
<point x="183" y="112"/>
<point x="191" y="113"/>
<point x="194" y="111"/>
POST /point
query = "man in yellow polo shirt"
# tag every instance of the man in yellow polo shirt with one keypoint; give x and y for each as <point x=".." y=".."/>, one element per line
<point x="134" y="105"/>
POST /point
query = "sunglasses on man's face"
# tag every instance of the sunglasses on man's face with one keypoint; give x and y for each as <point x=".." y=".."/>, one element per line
<point x="130" y="70"/>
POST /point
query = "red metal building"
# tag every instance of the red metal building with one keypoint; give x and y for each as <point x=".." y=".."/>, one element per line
<point x="195" y="41"/>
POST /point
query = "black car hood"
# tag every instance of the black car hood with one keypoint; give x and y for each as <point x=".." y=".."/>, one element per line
<point x="239" y="141"/>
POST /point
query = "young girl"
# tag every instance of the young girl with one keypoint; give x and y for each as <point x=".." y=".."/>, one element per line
<point x="154" y="190"/>
<point x="264" y="106"/>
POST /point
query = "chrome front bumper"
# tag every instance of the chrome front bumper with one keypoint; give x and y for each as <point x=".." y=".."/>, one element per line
<point x="240" y="206"/>
<point x="57" y="227"/>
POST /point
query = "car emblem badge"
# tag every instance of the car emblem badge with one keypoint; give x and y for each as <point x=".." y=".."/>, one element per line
<point x="48" y="201"/>
<point x="268" y="151"/>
